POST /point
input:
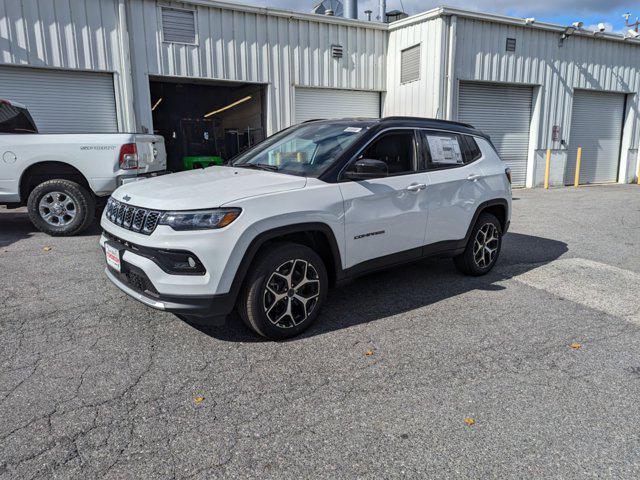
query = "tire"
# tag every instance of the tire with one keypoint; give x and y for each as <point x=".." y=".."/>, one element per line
<point x="272" y="302"/>
<point x="70" y="208"/>
<point x="473" y="261"/>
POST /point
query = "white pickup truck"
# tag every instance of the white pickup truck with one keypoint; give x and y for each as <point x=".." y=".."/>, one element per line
<point x="63" y="178"/>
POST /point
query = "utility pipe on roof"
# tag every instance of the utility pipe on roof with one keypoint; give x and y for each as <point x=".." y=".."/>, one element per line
<point x="351" y="9"/>
<point x="383" y="10"/>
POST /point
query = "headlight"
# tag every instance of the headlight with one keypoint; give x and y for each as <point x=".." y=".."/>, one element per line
<point x="200" y="219"/>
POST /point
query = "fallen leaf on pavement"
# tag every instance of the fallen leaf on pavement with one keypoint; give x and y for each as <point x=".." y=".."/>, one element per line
<point x="368" y="353"/>
<point x="198" y="400"/>
<point x="469" y="421"/>
<point x="575" y="345"/>
<point x="47" y="248"/>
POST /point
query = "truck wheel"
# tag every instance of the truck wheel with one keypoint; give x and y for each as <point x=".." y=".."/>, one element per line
<point x="284" y="291"/>
<point x="483" y="247"/>
<point x="61" y="207"/>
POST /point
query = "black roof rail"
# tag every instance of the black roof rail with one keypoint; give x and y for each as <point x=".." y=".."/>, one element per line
<point x="314" y="120"/>
<point x="438" y="120"/>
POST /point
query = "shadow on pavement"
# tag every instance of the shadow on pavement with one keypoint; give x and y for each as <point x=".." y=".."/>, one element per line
<point x="15" y="226"/>
<point x="409" y="287"/>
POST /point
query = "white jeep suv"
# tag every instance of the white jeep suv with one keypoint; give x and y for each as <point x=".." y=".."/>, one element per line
<point x="309" y="208"/>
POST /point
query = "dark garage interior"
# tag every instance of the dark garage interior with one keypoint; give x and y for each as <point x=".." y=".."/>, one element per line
<point x="206" y="123"/>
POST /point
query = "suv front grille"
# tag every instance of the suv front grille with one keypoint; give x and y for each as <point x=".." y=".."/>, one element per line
<point x="136" y="219"/>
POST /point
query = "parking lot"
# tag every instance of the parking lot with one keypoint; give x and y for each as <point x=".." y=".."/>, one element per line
<point x="419" y="371"/>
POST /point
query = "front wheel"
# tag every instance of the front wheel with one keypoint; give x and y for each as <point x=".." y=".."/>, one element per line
<point x="284" y="291"/>
<point x="61" y="207"/>
<point x="483" y="247"/>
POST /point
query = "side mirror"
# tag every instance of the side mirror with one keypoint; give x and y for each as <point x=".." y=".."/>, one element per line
<point x="367" y="168"/>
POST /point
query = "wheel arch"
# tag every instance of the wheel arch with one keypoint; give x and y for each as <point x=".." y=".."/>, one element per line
<point x="49" y="170"/>
<point x="316" y="235"/>
<point x="498" y="207"/>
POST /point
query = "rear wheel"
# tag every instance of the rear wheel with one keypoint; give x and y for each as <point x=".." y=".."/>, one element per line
<point x="284" y="291"/>
<point x="483" y="247"/>
<point x="61" y="207"/>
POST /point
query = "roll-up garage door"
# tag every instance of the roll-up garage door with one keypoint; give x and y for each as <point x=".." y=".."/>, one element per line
<point x="504" y="113"/>
<point x="596" y="126"/>
<point x="63" y="101"/>
<point x="314" y="103"/>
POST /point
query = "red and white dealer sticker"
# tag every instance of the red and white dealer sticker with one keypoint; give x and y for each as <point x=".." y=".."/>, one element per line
<point x="113" y="256"/>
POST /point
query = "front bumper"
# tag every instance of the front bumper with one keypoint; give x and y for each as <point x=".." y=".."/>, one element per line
<point x="197" y="306"/>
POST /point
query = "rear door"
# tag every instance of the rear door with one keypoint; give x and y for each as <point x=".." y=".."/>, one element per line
<point x="388" y="215"/>
<point x="456" y="183"/>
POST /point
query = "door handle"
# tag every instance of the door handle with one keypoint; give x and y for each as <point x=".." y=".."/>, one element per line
<point x="416" y="187"/>
<point x="472" y="177"/>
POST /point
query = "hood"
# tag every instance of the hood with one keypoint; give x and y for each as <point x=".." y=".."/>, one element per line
<point x="204" y="188"/>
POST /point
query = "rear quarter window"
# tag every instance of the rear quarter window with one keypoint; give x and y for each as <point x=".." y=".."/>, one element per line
<point x="15" y="119"/>
<point x="470" y="150"/>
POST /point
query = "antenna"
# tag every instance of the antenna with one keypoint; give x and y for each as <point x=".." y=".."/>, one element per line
<point x="633" y="25"/>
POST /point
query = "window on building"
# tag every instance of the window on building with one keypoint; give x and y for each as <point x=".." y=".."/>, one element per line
<point x="178" y="25"/>
<point x="410" y="64"/>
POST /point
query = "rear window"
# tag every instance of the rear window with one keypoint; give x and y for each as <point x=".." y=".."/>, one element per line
<point x="14" y="119"/>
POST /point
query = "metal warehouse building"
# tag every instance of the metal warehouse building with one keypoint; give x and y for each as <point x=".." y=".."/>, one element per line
<point x="215" y="77"/>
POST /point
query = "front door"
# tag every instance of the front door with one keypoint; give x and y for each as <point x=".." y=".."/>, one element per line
<point x="388" y="215"/>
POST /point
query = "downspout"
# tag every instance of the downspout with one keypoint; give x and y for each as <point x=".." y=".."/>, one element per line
<point x="125" y="101"/>
<point x="451" y="68"/>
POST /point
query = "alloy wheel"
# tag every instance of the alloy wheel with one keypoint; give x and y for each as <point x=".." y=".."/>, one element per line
<point x="485" y="245"/>
<point x="57" y="208"/>
<point x="291" y="293"/>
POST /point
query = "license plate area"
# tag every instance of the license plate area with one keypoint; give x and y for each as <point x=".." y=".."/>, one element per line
<point x="113" y="255"/>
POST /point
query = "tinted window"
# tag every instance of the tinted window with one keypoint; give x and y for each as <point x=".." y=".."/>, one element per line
<point x="470" y="151"/>
<point x="395" y="149"/>
<point x="442" y="150"/>
<point x="14" y="119"/>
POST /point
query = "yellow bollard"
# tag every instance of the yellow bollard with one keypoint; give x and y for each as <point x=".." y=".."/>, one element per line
<point x="576" y="181"/>
<point x="546" y="169"/>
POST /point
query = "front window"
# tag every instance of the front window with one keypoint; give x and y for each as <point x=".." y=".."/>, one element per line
<point x="305" y="150"/>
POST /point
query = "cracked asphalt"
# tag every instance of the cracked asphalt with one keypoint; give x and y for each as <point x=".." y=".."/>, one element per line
<point x="95" y="385"/>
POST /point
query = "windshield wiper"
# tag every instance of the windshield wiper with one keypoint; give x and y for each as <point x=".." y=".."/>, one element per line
<point x="258" y="166"/>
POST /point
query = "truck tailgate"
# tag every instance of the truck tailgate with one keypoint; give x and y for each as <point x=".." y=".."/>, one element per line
<point x="152" y="156"/>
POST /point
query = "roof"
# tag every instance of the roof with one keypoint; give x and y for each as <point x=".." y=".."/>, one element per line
<point x="505" y="20"/>
<point x="415" y="122"/>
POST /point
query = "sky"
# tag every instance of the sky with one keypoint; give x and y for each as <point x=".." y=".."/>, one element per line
<point x="564" y="12"/>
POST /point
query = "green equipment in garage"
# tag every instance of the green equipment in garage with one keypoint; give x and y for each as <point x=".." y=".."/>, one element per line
<point x="200" y="161"/>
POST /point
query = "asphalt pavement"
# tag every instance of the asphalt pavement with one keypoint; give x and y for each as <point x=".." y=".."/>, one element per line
<point x="531" y="371"/>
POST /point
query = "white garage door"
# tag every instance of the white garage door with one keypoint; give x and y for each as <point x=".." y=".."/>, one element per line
<point x="504" y="113"/>
<point x="312" y="103"/>
<point x="63" y="101"/>
<point x="596" y="126"/>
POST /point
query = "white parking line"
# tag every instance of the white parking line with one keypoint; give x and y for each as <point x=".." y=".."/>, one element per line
<point x="596" y="285"/>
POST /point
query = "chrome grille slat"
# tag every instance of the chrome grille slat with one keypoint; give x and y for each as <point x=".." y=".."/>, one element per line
<point x="132" y="218"/>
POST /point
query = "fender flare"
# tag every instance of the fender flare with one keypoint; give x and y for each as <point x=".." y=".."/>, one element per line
<point x="259" y="240"/>
<point x="483" y="206"/>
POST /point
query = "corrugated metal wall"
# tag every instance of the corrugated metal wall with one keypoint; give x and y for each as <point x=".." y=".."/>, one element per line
<point x="582" y="62"/>
<point x="60" y="33"/>
<point x="422" y="97"/>
<point x="258" y="47"/>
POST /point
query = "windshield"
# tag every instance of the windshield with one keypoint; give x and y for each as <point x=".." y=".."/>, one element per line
<point x="306" y="149"/>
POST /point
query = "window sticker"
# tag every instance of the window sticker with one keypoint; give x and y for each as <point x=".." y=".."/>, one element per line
<point x="445" y="150"/>
<point x="353" y="129"/>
